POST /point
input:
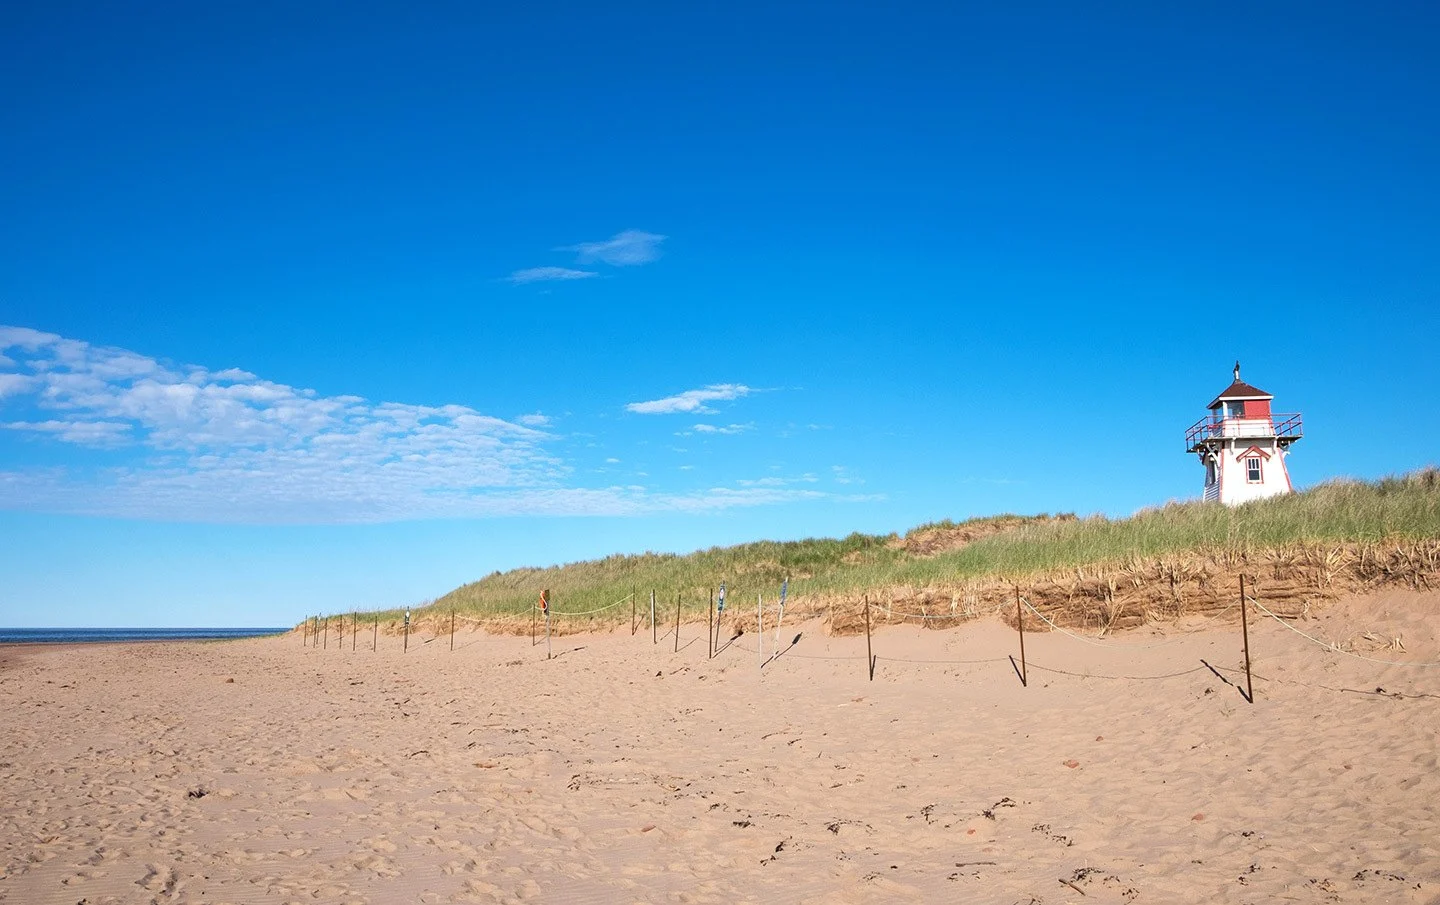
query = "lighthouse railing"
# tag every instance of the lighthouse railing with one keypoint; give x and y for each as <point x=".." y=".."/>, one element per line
<point x="1282" y="426"/>
<point x="1200" y="431"/>
<point x="1288" y="427"/>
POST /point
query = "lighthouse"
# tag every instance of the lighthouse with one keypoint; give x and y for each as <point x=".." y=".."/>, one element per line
<point x="1243" y="445"/>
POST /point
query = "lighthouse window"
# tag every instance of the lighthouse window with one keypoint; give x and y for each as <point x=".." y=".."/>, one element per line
<point x="1252" y="469"/>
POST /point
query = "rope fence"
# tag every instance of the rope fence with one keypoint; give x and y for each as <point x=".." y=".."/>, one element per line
<point x="318" y="629"/>
<point x="787" y="653"/>
<point x="1091" y="675"/>
<point x="889" y="659"/>
<point x="598" y="609"/>
<point x="1335" y="648"/>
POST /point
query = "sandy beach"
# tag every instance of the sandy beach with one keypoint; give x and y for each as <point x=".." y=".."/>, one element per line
<point x="1127" y="770"/>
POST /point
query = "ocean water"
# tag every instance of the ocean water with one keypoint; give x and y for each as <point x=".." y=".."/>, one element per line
<point x="93" y="635"/>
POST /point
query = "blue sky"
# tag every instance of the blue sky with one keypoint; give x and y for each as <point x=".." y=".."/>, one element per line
<point x="317" y="306"/>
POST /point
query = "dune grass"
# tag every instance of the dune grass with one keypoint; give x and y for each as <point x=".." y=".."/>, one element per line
<point x="1404" y="508"/>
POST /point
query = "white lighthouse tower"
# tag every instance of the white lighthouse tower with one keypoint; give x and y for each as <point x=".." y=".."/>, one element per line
<point x="1243" y="445"/>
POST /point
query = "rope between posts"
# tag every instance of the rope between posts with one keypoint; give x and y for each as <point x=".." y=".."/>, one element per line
<point x="608" y="606"/>
<point x="941" y="662"/>
<point x="1082" y="675"/>
<point x="785" y="653"/>
<point x="857" y="656"/>
<point x="930" y="662"/>
<point x="1378" y="692"/>
<point x="1336" y="648"/>
<point x="1132" y="645"/>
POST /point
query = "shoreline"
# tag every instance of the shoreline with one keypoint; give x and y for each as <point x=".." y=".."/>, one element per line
<point x="17" y="636"/>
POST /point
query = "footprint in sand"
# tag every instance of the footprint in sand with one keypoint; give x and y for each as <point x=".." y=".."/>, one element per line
<point x="157" y="879"/>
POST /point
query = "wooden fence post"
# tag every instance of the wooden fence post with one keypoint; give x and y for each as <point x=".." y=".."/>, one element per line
<point x="1245" y="634"/>
<point x="1020" y="623"/>
<point x="869" y="652"/>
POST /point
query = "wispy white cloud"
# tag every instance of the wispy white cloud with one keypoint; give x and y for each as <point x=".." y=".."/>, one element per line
<point x="777" y="481"/>
<point x="624" y="249"/>
<point x="727" y="429"/>
<point x="24" y="338"/>
<point x="692" y="401"/>
<point x="628" y="248"/>
<point x="14" y="383"/>
<point x="227" y="445"/>
<point x="548" y="274"/>
<point x="727" y="497"/>
<point x="83" y="433"/>
<point x="187" y="443"/>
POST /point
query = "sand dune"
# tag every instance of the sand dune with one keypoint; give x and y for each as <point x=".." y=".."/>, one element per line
<point x="620" y="771"/>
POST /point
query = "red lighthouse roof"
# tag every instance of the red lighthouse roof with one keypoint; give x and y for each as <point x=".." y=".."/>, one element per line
<point x="1240" y="390"/>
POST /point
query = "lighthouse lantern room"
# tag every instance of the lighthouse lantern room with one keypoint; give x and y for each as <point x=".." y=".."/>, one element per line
<point x="1243" y="445"/>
